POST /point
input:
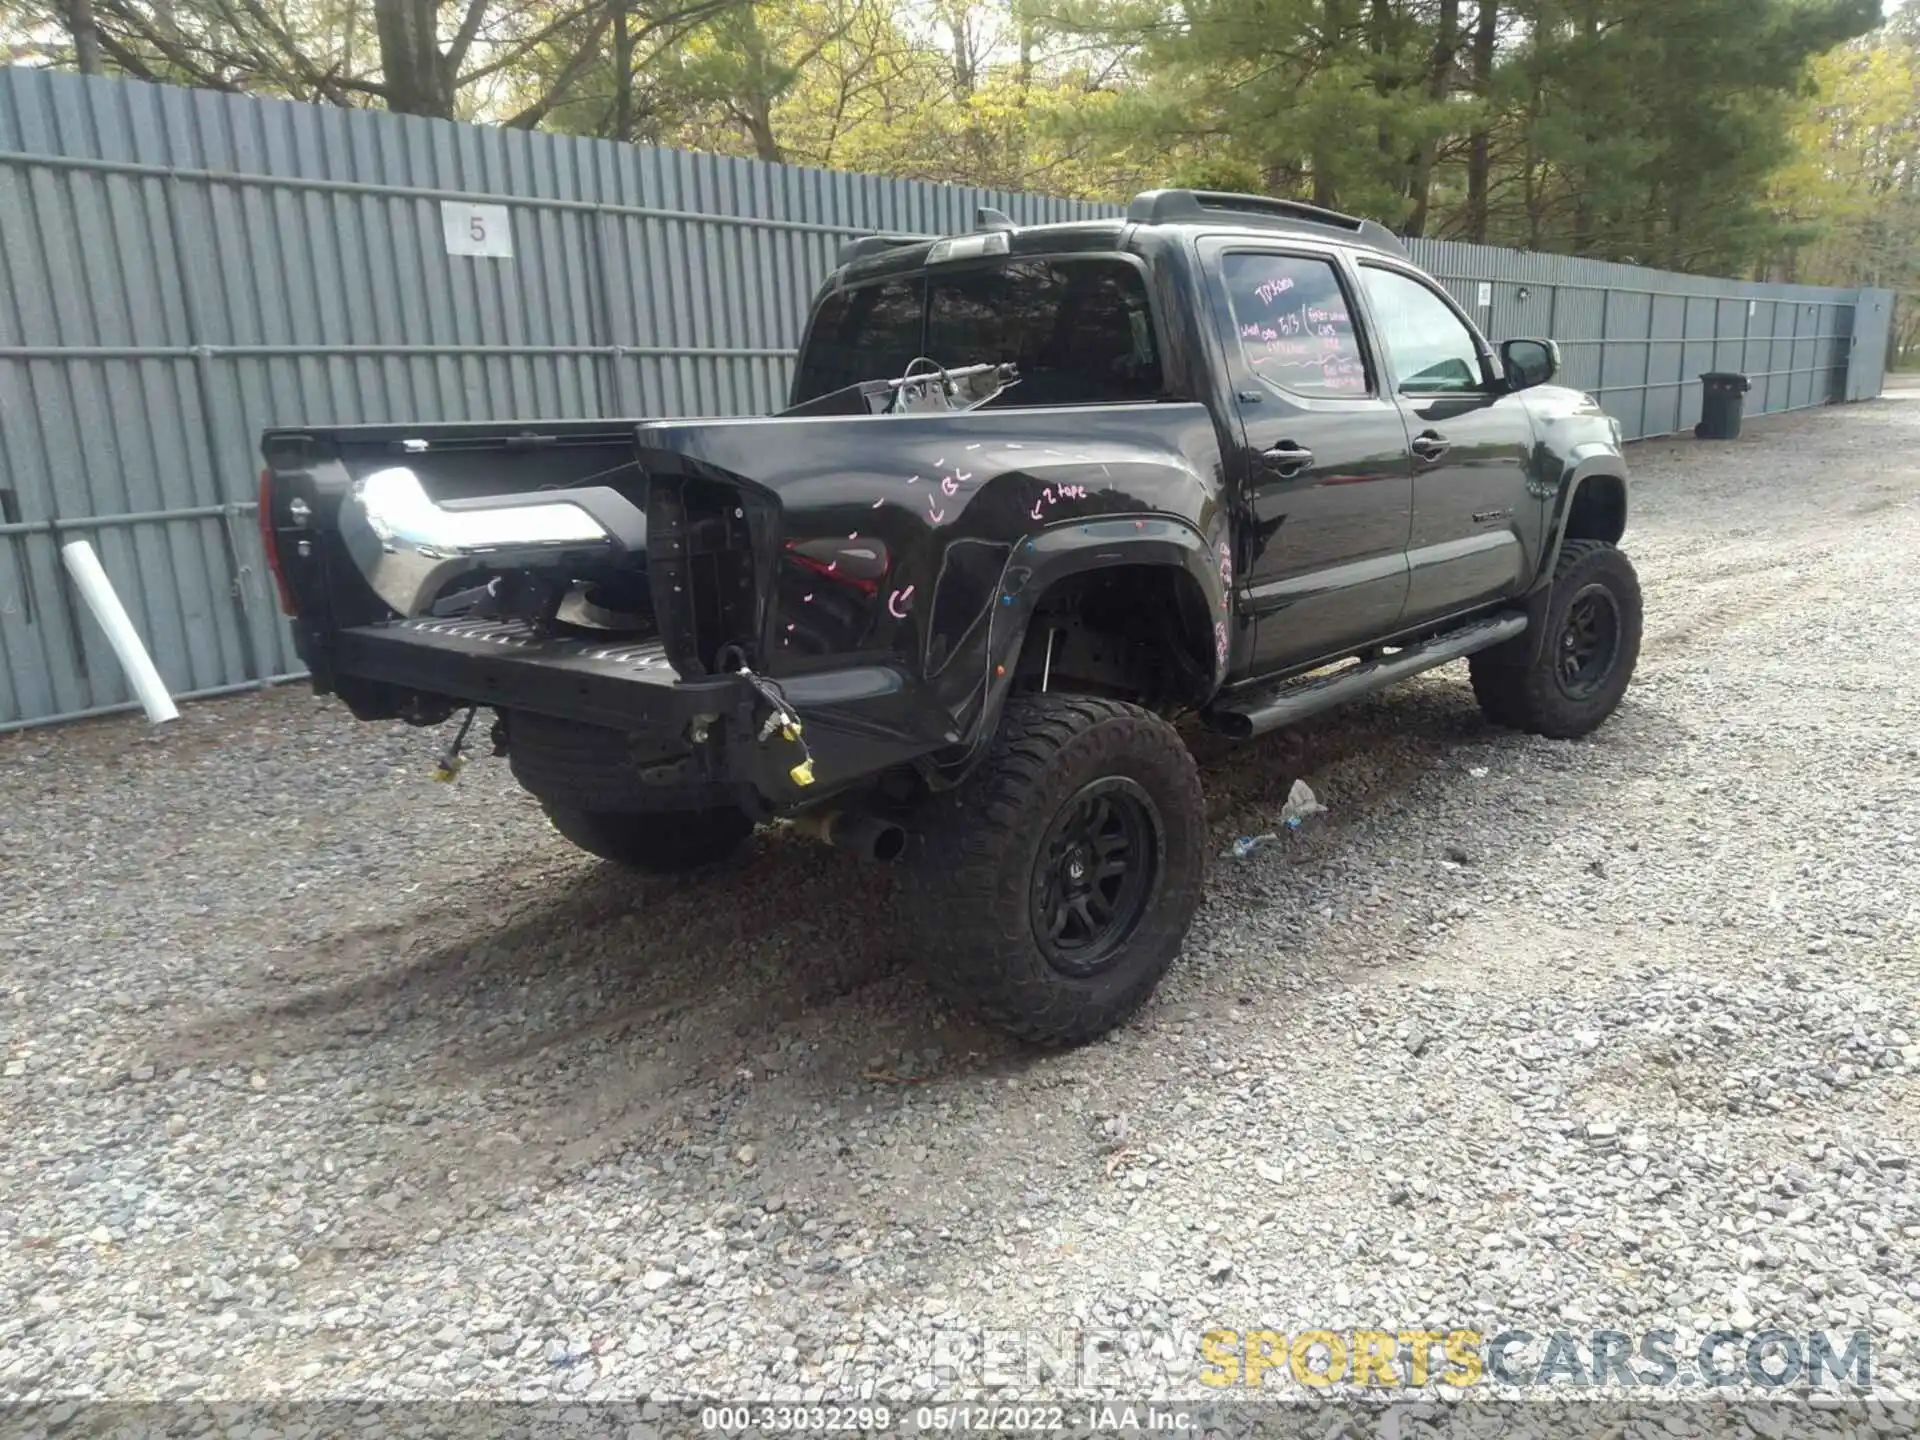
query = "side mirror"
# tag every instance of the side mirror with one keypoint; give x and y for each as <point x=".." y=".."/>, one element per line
<point x="1529" y="362"/>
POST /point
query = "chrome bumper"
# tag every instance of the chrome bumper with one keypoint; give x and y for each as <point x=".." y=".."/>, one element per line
<point x="409" y="547"/>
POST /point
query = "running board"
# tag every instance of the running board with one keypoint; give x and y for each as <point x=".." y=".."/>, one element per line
<point x="1292" y="701"/>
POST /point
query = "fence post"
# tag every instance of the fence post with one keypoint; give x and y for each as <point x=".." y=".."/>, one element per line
<point x="1680" y="365"/>
<point x="1746" y="341"/>
<point x="1600" y="379"/>
<point x="606" y="363"/>
<point x="1713" y="358"/>
<point x="1646" y="366"/>
<point x="1838" y="360"/>
<point x="240" y="576"/>
<point x="1793" y="354"/>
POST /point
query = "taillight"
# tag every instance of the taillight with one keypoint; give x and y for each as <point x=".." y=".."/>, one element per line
<point x="270" y="542"/>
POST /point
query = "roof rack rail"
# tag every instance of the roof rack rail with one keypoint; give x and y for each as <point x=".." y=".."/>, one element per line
<point x="873" y="244"/>
<point x="1157" y="207"/>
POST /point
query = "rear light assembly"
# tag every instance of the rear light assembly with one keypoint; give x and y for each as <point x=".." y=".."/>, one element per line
<point x="270" y="542"/>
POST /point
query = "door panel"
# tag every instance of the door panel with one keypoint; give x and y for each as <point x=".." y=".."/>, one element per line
<point x="1472" y="509"/>
<point x="1475" y="519"/>
<point x="1328" y="483"/>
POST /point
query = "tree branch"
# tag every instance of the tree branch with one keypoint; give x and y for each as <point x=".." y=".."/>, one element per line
<point x="469" y="28"/>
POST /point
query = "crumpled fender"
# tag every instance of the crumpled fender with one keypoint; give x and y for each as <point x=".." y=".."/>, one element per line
<point x="1042" y="561"/>
<point x="920" y="545"/>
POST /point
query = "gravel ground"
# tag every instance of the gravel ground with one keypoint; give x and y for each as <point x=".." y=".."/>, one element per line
<point x="323" y="1079"/>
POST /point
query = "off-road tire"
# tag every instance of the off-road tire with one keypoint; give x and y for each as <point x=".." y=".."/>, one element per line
<point x="981" y="873"/>
<point x="1533" y="697"/>
<point x="659" y="842"/>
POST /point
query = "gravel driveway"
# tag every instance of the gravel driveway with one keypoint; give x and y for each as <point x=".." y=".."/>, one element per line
<point x="321" y="1078"/>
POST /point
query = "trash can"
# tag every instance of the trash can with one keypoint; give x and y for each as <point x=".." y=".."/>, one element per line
<point x="1722" y="399"/>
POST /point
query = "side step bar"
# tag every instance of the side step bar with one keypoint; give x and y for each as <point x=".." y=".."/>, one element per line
<point x="1292" y="701"/>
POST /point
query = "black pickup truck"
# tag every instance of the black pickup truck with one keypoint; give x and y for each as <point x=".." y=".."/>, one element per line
<point x="1040" y="493"/>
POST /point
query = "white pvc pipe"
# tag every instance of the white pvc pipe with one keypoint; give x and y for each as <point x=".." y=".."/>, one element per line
<point x="97" y="591"/>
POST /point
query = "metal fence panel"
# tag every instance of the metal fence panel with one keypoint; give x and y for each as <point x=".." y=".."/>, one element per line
<point x="1865" y="359"/>
<point x="1640" y="338"/>
<point x="180" y="269"/>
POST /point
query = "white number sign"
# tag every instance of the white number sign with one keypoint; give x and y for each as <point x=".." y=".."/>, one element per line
<point x="1483" y="297"/>
<point x="476" y="229"/>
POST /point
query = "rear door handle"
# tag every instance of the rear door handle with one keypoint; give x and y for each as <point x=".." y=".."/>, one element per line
<point x="1287" y="458"/>
<point x="1430" y="446"/>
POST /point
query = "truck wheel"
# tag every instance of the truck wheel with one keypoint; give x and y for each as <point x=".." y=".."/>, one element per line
<point x="1056" y="885"/>
<point x="659" y="842"/>
<point x="1587" y="651"/>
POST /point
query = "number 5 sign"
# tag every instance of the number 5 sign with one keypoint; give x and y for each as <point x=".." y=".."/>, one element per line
<point x="476" y="229"/>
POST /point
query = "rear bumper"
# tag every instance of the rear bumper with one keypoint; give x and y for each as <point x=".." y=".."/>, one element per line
<point x="623" y="685"/>
<point x="705" y="736"/>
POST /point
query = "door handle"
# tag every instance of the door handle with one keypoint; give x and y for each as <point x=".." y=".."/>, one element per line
<point x="1430" y="445"/>
<point x="1286" y="458"/>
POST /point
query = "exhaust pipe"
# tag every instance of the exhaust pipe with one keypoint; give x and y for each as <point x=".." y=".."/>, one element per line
<point x="859" y="832"/>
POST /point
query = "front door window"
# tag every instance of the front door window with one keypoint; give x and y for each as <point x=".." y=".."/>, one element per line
<point x="1431" y="351"/>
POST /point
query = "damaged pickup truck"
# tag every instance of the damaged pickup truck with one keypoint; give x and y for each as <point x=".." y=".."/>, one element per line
<point x="1040" y="492"/>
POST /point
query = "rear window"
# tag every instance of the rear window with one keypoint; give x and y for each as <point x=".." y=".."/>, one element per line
<point x="1079" y="330"/>
<point x="865" y="334"/>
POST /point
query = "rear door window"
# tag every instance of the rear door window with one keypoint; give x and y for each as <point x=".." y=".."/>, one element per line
<point x="1292" y="324"/>
<point x="1080" y="331"/>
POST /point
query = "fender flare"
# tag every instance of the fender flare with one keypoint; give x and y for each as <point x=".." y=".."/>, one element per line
<point x="1589" y="463"/>
<point x="1044" y="559"/>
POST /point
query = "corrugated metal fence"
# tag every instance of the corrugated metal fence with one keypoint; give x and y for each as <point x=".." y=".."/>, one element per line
<point x="1640" y="338"/>
<point x="180" y="269"/>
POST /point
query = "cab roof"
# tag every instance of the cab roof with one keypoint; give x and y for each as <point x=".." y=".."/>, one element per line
<point x="1212" y="209"/>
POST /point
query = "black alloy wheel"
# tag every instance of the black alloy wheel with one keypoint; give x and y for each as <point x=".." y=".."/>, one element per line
<point x="1571" y="681"/>
<point x="1095" y="874"/>
<point x="1589" y="642"/>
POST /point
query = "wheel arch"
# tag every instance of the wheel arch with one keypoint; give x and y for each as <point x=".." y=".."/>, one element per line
<point x="1592" y="505"/>
<point x="1597" y="507"/>
<point x="1171" y="555"/>
<point x="1135" y="630"/>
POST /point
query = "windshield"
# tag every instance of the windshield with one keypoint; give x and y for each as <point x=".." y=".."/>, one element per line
<point x="1079" y="331"/>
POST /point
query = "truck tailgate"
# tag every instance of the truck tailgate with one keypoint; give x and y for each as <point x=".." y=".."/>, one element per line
<point x="625" y="684"/>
